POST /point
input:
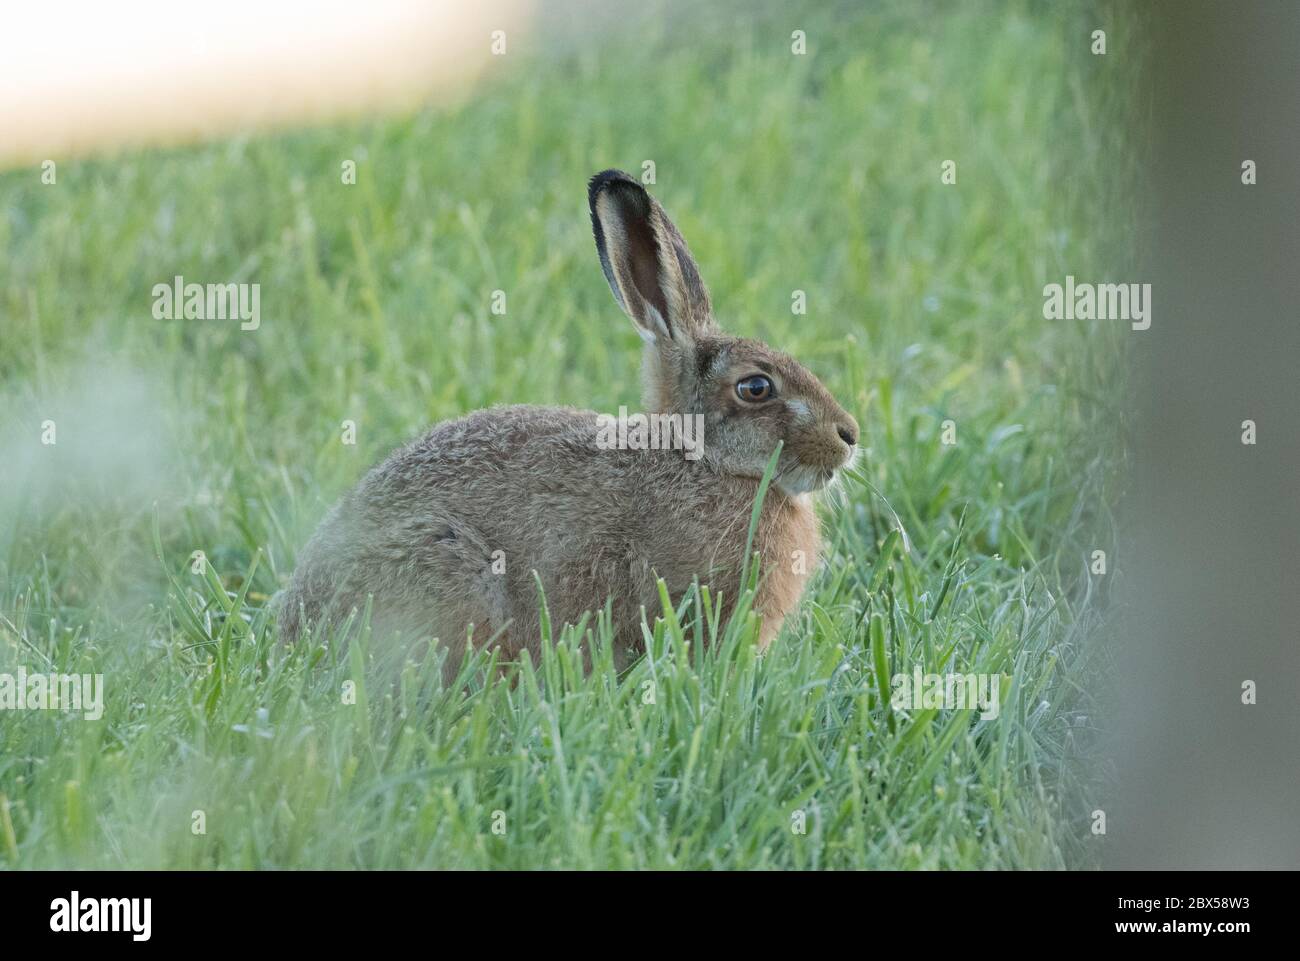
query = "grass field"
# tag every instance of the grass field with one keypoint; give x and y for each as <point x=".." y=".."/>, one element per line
<point x="818" y="173"/>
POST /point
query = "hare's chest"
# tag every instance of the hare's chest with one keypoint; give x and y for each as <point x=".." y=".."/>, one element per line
<point x="790" y="551"/>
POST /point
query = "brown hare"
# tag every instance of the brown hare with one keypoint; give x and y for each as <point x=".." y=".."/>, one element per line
<point x="449" y="530"/>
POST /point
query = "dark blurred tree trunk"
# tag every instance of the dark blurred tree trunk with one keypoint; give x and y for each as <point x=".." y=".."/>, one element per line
<point x="1205" y="781"/>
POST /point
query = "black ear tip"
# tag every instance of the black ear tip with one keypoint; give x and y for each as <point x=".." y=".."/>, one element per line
<point x="611" y="178"/>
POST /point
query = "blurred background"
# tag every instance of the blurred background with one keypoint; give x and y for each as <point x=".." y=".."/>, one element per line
<point x="390" y="175"/>
<point x="1203" y="778"/>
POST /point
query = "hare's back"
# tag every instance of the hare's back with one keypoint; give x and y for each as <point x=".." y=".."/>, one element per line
<point x="540" y="467"/>
<point x="488" y="450"/>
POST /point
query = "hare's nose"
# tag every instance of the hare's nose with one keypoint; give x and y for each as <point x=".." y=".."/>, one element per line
<point x="848" y="433"/>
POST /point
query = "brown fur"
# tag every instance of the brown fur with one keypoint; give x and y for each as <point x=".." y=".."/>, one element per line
<point x="420" y="532"/>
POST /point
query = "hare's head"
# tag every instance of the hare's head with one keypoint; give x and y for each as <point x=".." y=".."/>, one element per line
<point x="750" y="395"/>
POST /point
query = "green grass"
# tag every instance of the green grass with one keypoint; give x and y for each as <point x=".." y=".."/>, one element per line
<point x="816" y="173"/>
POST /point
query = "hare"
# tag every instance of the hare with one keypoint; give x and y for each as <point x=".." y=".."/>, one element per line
<point x="451" y="534"/>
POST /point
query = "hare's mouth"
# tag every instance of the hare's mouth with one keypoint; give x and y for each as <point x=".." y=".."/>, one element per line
<point x="803" y="478"/>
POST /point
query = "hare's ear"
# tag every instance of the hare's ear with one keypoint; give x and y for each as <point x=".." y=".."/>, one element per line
<point x="646" y="261"/>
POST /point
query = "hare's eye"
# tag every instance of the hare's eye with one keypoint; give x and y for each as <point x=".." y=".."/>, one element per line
<point x="754" y="389"/>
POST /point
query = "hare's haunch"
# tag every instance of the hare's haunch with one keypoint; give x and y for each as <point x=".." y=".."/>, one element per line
<point x="449" y="530"/>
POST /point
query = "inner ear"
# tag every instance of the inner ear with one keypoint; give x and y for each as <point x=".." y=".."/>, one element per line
<point x="643" y="256"/>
